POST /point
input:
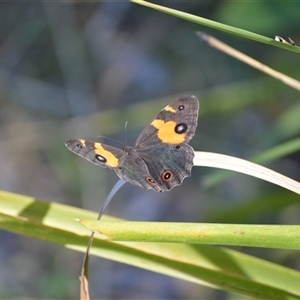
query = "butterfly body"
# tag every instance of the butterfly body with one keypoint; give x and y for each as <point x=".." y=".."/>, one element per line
<point x="160" y="158"/>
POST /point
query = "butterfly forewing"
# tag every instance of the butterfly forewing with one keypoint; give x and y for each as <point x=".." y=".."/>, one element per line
<point x="175" y="124"/>
<point x="97" y="153"/>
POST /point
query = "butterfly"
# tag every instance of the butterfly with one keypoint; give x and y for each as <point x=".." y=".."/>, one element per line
<point x="160" y="158"/>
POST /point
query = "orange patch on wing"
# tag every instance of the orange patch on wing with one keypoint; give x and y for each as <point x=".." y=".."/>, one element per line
<point x="157" y="123"/>
<point x="166" y="132"/>
<point x="170" y="108"/>
<point x="111" y="160"/>
<point x="82" y="142"/>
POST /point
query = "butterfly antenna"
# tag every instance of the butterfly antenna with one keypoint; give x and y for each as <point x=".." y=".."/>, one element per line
<point x="125" y="130"/>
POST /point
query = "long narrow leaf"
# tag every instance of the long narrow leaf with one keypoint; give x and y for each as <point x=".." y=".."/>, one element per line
<point x="264" y="157"/>
<point x="220" y="268"/>
<point x="219" y="26"/>
<point x="269" y="236"/>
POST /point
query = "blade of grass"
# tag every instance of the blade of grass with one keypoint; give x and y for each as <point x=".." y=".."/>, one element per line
<point x="220" y="268"/>
<point x="217" y="44"/>
<point x="219" y="26"/>
<point x="264" y="157"/>
<point x="215" y="160"/>
<point x="268" y="236"/>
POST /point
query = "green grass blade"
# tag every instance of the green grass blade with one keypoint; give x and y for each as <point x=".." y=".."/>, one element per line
<point x="221" y="268"/>
<point x="270" y="236"/>
<point x="219" y="26"/>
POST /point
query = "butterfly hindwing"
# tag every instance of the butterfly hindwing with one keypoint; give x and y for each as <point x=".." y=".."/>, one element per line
<point x="174" y="165"/>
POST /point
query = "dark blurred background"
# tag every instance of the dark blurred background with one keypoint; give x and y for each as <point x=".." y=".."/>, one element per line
<point x="81" y="70"/>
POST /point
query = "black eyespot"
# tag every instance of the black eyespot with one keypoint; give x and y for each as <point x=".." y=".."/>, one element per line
<point x="101" y="158"/>
<point x="167" y="175"/>
<point x="150" y="180"/>
<point x="177" y="147"/>
<point x="181" y="128"/>
<point x="181" y="107"/>
<point x="79" y="146"/>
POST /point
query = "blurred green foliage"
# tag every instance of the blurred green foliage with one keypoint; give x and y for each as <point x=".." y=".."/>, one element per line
<point x="71" y="70"/>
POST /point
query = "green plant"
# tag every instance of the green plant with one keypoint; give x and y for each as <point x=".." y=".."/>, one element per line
<point x="183" y="252"/>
